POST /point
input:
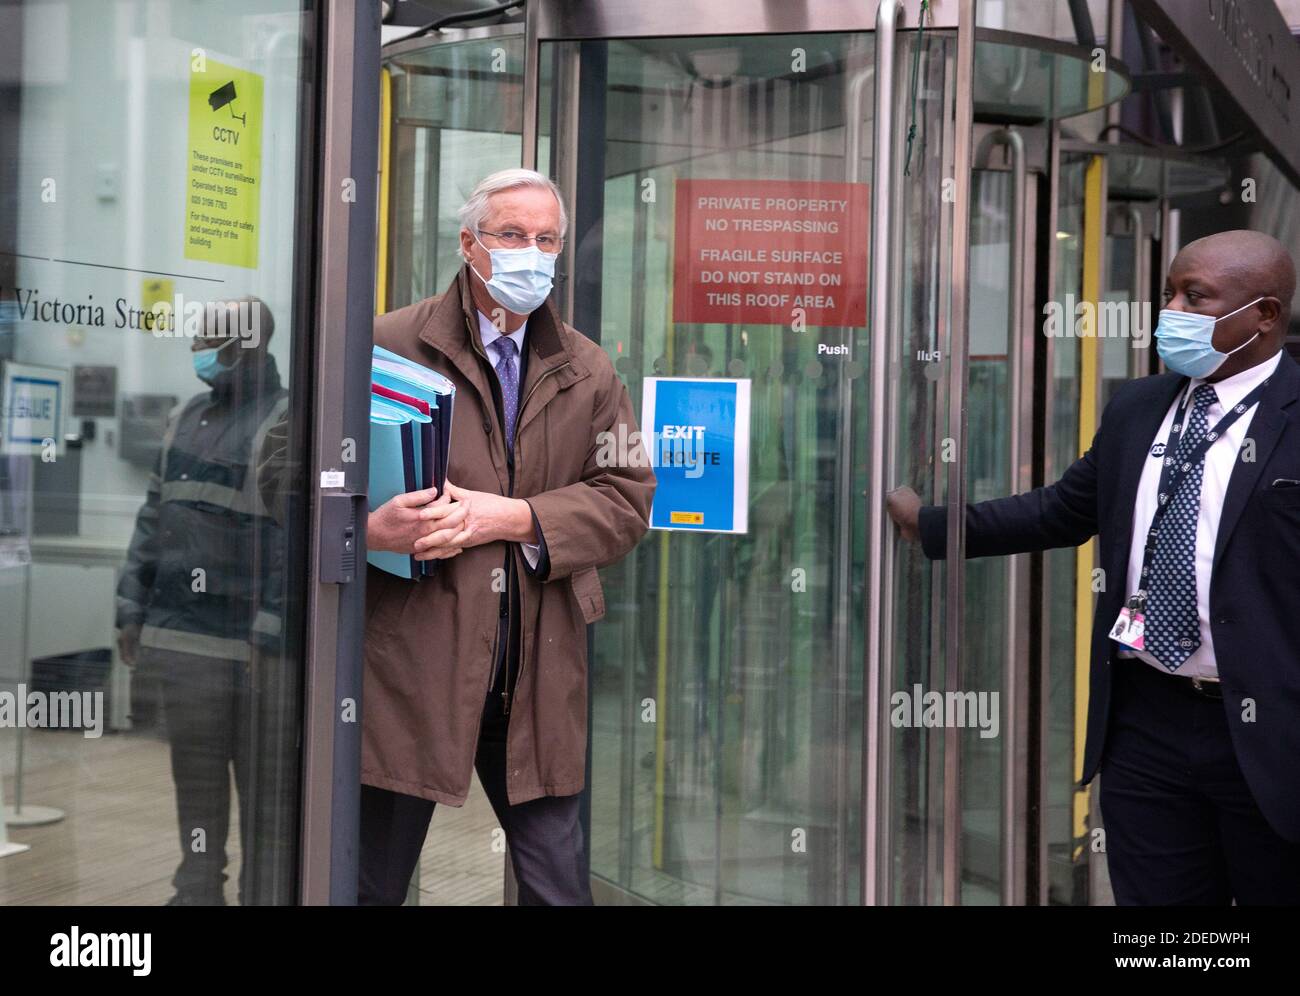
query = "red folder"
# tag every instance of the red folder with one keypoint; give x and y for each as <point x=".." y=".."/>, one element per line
<point x="419" y="404"/>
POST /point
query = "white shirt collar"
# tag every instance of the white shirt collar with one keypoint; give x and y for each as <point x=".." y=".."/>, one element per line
<point x="488" y="330"/>
<point x="1232" y="389"/>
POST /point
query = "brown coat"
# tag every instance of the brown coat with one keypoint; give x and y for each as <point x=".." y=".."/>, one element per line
<point x="429" y="643"/>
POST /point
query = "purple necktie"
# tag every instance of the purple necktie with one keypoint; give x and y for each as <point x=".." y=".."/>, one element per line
<point x="505" y="349"/>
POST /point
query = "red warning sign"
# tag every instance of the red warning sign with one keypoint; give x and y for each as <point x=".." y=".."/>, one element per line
<point x="754" y="251"/>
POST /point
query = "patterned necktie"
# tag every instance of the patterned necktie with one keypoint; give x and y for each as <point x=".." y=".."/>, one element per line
<point x="505" y="349"/>
<point x="1173" y="629"/>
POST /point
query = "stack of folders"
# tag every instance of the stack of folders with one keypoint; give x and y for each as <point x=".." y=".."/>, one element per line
<point x="410" y="441"/>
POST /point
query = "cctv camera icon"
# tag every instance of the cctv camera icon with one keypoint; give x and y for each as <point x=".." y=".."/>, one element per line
<point x="223" y="96"/>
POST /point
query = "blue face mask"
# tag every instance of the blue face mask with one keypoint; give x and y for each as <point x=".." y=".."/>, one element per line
<point x="207" y="363"/>
<point x="1185" y="341"/>
<point x="521" y="278"/>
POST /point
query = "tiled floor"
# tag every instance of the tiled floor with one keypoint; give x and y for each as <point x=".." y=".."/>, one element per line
<point x="463" y="862"/>
<point x="117" y="843"/>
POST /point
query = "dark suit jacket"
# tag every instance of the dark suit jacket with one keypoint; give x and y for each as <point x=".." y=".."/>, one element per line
<point x="1255" y="580"/>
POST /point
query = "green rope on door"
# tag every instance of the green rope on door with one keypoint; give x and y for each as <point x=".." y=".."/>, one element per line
<point x="916" y="60"/>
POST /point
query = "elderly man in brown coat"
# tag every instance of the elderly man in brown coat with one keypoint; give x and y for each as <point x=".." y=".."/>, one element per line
<point x="484" y="664"/>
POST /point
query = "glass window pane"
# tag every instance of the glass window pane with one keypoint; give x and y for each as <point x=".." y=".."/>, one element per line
<point x="457" y="115"/>
<point x="150" y="576"/>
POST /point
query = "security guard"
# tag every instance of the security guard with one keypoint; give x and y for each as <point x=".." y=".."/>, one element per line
<point x="199" y="584"/>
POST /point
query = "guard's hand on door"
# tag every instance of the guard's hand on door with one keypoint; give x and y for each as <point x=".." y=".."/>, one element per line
<point x="904" y="507"/>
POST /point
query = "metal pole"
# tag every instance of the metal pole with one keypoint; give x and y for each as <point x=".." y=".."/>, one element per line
<point x="1012" y="797"/>
<point x="1139" y="359"/>
<point x="19" y="815"/>
<point x="956" y="491"/>
<point x="27" y="678"/>
<point x="853" y="139"/>
<point x="1042" y="718"/>
<point x="877" y="579"/>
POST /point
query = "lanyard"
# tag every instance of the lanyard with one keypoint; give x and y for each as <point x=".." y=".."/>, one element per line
<point x="1175" y="472"/>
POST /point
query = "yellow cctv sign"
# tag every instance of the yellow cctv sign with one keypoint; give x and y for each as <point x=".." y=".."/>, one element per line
<point x="223" y="188"/>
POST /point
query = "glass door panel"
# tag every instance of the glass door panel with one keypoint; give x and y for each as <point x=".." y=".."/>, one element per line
<point x="1121" y="289"/>
<point x="995" y="771"/>
<point x="1066" y="852"/>
<point x="1128" y="265"/>
<point x="991" y="410"/>
<point x="152" y="589"/>
<point x="456" y="115"/>
<point x="915" y="645"/>
<point x="727" y="674"/>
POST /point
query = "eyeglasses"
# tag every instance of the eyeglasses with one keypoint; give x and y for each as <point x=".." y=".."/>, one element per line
<point x="512" y="239"/>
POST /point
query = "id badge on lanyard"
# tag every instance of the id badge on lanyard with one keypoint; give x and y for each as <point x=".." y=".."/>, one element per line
<point x="1131" y="627"/>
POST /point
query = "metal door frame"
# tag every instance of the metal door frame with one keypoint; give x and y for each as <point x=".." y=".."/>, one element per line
<point x="578" y="20"/>
<point x="1140" y="228"/>
<point x="1023" y="151"/>
<point x="449" y="36"/>
<point x="342" y="156"/>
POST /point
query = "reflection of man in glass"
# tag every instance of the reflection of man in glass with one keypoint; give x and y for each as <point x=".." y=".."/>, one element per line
<point x="189" y="601"/>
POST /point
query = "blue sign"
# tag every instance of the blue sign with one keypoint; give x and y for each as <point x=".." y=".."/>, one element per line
<point x="31" y="418"/>
<point x="698" y="432"/>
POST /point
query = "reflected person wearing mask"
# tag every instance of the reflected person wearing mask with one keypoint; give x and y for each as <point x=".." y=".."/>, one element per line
<point x="1192" y="484"/>
<point x="195" y="594"/>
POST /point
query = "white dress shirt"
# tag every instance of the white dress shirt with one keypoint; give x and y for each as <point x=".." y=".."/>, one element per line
<point x="1219" y="463"/>
<point x="488" y="331"/>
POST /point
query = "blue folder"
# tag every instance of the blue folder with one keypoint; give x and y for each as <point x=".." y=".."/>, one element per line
<point x="408" y="448"/>
<point x="409" y="377"/>
<point x="393" y="471"/>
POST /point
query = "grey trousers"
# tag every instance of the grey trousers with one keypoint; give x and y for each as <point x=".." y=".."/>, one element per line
<point x="207" y="706"/>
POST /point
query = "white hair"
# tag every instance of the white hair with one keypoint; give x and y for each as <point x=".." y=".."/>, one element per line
<point x="474" y="211"/>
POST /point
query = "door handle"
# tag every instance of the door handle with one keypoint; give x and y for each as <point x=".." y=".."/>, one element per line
<point x="1016" y="350"/>
<point x="338" y="541"/>
<point x="879" y="576"/>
